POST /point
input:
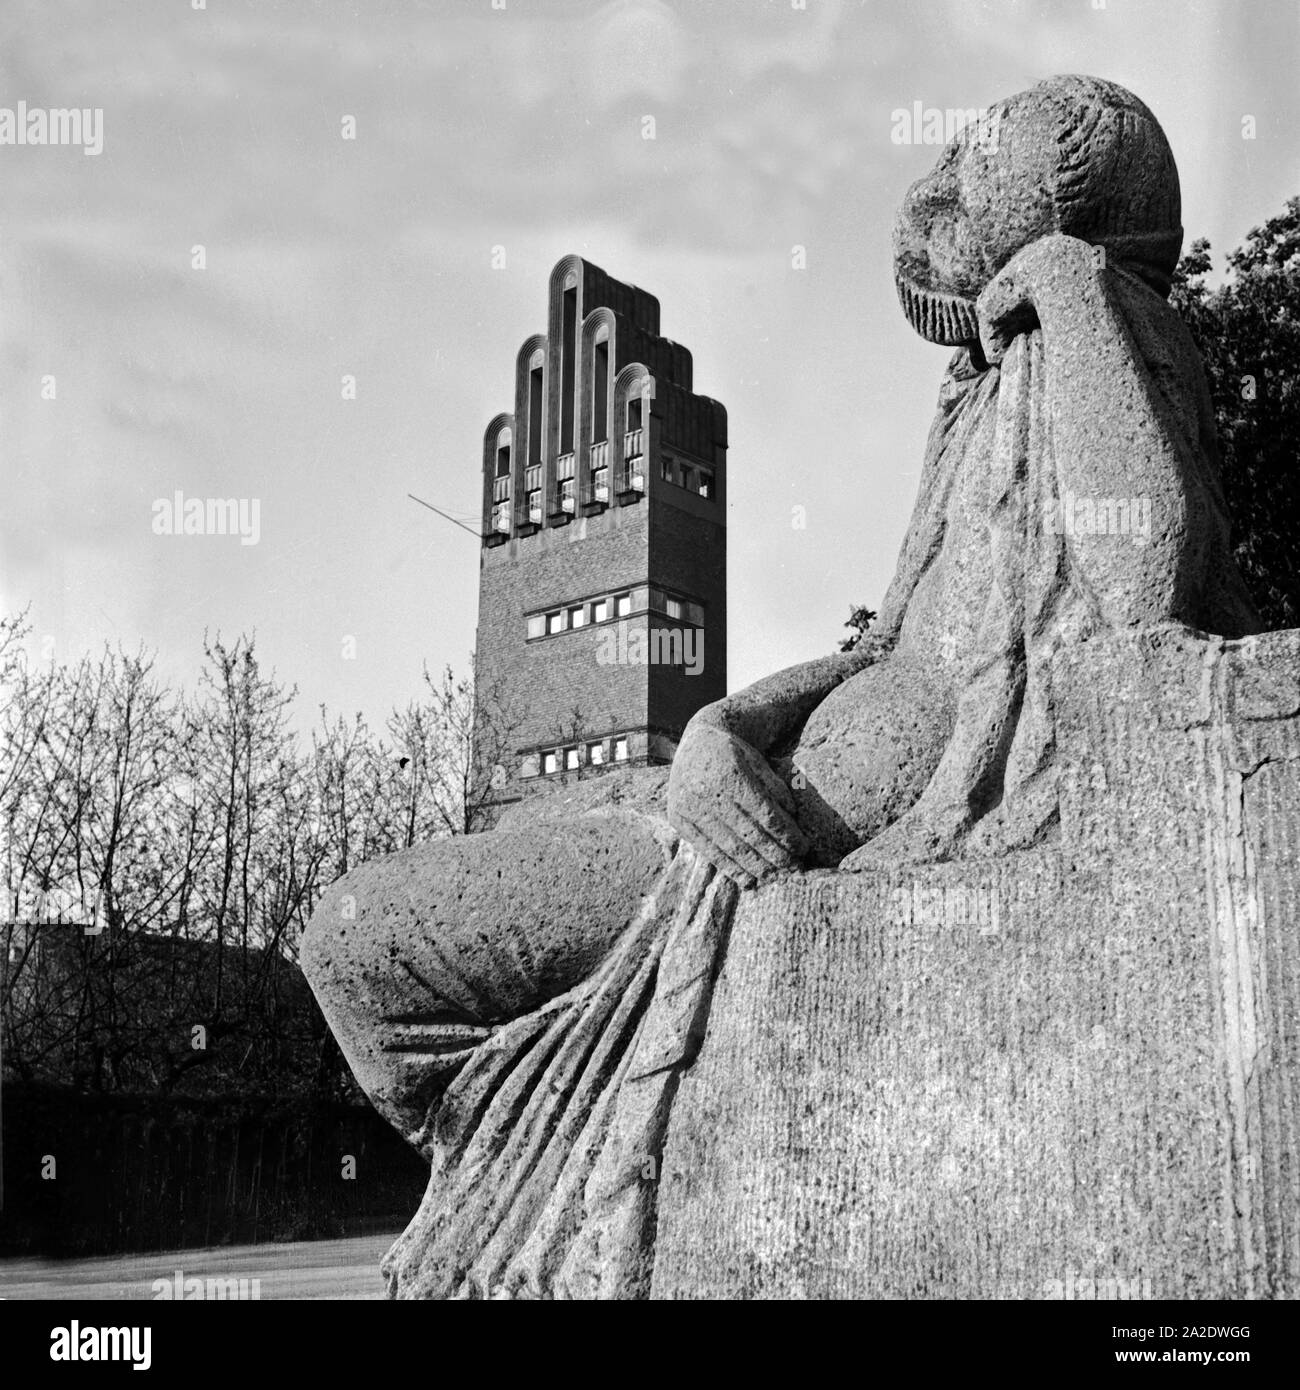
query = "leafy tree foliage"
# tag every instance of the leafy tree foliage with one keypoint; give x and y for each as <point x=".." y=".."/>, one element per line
<point x="860" y="619"/>
<point x="1248" y="332"/>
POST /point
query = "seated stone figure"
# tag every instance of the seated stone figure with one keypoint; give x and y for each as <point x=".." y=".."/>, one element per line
<point x="498" y="996"/>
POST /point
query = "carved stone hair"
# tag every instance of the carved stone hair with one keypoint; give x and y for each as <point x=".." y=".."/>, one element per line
<point x="1077" y="155"/>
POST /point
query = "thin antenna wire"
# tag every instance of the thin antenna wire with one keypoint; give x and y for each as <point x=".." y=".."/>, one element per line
<point x="448" y="516"/>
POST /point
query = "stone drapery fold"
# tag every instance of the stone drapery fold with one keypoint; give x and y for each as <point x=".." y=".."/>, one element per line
<point x="544" y="1149"/>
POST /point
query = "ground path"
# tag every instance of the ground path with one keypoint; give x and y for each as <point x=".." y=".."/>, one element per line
<point x="302" y="1269"/>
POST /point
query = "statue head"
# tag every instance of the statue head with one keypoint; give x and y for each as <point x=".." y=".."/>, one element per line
<point x="1074" y="154"/>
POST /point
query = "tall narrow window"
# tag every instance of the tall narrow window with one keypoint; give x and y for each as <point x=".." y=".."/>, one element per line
<point x="503" y="461"/>
<point x="599" y="393"/>
<point x="634" y="413"/>
<point x="568" y="352"/>
<point x="535" y="416"/>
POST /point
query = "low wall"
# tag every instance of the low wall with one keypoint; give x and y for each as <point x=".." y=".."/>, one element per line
<point x="146" y="1173"/>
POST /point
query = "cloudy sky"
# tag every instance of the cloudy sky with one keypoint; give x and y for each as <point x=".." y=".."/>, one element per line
<point x="518" y="127"/>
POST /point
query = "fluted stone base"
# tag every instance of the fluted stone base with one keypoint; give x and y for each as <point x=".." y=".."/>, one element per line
<point x="1068" y="1072"/>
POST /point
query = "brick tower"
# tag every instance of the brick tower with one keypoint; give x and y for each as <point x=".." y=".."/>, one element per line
<point x="602" y="623"/>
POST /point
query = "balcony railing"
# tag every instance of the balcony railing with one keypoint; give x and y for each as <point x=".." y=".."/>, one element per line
<point x="566" y="502"/>
<point x="529" y="512"/>
<point x="597" y="494"/>
<point x="533" y="477"/>
<point x="501" y="489"/>
<point x="564" y="499"/>
<point x="632" y="477"/>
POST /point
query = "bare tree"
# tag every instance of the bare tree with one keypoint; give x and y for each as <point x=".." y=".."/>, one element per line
<point x="468" y="750"/>
<point x="193" y="835"/>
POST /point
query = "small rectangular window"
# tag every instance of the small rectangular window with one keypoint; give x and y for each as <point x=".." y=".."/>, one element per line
<point x="600" y="610"/>
<point x="555" y="621"/>
<point x="570" y="758"/>
<point x="550" y="761"/>
<point x="622" y="605"/>
<point x="535" y="505"/>
<point x="666" y="471"/>
<point x="674" y="607"/>
<point x="578" y="616"/>
<point x="706" y="483"/>
<point x="620" y="750"/>
<point x="693" y="613"/>
<point x="595" y="753"/>
<point x="537" y="625"/>
<point x="688" y="478"/>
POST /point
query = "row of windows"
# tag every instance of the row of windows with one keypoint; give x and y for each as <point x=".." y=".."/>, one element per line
<point x="566" y="491"/>
<point x="631" y="437"/>
<point x="646" y="597"/>
<point x="578" y="755"/>
<point x="688" y="475"/>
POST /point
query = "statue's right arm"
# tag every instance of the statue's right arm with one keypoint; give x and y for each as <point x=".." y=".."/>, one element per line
<point x="723" y="795"/>
<point x="772" y="711"/>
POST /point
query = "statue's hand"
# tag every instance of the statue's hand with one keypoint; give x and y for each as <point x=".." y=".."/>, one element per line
<point x="1008" y="304"/>
<point x="726" y="800"/>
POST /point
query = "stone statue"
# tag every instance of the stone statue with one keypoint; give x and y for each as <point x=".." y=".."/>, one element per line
<point x="523" y="1004"/>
